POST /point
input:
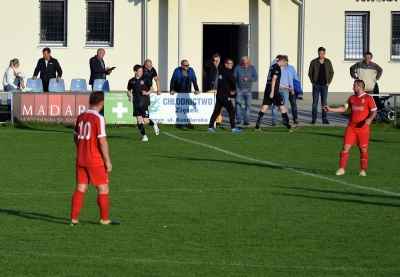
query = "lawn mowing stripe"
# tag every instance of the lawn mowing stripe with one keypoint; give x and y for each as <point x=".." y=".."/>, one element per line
<point x="282" y="166"/>
<point x="233" y="264"/>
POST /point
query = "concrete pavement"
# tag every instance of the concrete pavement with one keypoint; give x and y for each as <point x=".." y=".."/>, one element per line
<point x="304" y="108"/>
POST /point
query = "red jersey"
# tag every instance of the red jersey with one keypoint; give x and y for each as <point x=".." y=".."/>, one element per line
<point x="89" y="127"/>
<point x="361" y="107"/>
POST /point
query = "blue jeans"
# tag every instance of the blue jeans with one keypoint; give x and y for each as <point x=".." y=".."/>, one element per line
<point x="318" y="90"/>
<point x="293" y="104"/>
<point x="285" y="97"/>
<point x="247" y="102"/>
<point x="17" y="82"/>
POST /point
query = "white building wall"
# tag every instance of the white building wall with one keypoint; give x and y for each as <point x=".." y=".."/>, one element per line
<point x="324" y="26"/>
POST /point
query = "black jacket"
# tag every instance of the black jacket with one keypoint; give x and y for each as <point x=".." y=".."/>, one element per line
<point x="96" y="70"/>
<point x="46" y="74"/>
<point x="226" y="83"/>
<point x="211" y="71"/>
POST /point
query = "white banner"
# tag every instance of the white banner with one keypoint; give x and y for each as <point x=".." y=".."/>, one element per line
<point x="182" y="108"/>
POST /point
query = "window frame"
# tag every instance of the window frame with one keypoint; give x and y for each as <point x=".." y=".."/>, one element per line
<point x="63" y="43"/>
<point x="392" y="56"/>
<point x="110" y="42"/>
<point x="366" y="34"/>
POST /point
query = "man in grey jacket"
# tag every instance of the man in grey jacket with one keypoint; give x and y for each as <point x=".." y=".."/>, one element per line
<point x="245" y="74"/>
<point x="367" y="71"/>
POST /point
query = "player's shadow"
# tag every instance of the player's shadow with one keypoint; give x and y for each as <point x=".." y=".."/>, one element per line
<point x="39" y="216"/>
<point x="260" y="164"/>
<point x="358" y="194"/>
<point x="342" y="200"/>
<point x="35" y="216"/>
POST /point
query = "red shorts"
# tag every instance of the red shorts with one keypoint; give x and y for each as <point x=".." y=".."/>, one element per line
<point x="361" y="135"/>
<point x="97" y="175"/>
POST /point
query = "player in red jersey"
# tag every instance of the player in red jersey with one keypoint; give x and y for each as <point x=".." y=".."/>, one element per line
<point x="92" y="159"/>
<point x="363" y="111"/>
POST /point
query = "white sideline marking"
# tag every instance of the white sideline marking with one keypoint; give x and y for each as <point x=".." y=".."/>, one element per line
<point x="152" y="261"/>
<point x="284" y="167"/>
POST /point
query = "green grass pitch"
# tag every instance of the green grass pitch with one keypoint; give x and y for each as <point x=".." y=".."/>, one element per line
<point x="192" y="203"/>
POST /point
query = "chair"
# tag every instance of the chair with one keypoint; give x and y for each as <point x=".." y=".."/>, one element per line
<point x="35" y="85"/>
<point x="78" y="85"/>
<point x="101" y="85"/>
<point x="55" y="86"/>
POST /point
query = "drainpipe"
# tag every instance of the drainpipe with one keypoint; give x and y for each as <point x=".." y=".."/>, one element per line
<point x="182" y="30"/>
<point x="144" y="30"/>
<point x="300" y="61"/>
<point x="274" y="9"/>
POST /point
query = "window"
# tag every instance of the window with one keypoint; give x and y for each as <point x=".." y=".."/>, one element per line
<point x="53" y="25"/>
<point x="395" y="36"/>
<point x="357" y="34"/>
<point x="99" y="23"/>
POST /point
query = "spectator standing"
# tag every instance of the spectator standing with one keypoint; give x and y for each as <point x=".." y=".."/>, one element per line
<point x="321" y="75"/>
<point x="369" y="72"/>
<point x="92" y="160"/>
<point x="182" y="79"/>
<point x="13" y="78"/>
<point x="213" y="67"/>
<point x="48" y="67"/>
<point x="226" y="89"/>
<point x="150" y="73"/>
<point x="272" y="94"/>
<point x="245" y="75"/>
<point x="141" y="88"/>
<point x="98" y="69"/>
<point x="363" y="111"/>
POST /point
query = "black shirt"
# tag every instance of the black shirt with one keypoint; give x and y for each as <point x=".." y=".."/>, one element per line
<point x="136" y="86"/>
<point x="226" y="82"/>
<point x="321" y="75"/>
<point x="149" y="74"/>
<point x="275" y="69"/>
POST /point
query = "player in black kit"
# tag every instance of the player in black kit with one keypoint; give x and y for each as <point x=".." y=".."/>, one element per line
<point x="226" y="89"/>
<point x="272" y="94"/>
<point x="141" y="88"/>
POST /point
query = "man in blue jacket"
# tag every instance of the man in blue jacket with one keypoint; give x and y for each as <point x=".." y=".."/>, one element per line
<point x="182" y="79"/>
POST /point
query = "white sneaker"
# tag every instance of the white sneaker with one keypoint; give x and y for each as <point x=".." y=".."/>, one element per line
<point x="156" y="130"/>
<point x="362" y="173"/>
<point x="28" y="89"/>
<point x="340" y="171"/>
<point x="145" y="138"/>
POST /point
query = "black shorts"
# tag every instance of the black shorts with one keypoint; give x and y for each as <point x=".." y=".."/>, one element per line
<point x="276" y="100"/>
<point x="141" y="111"/>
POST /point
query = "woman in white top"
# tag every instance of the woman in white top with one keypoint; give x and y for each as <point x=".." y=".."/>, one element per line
<point x="13" y="78"/>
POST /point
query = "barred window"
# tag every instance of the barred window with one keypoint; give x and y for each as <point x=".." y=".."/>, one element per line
<point x="356" y="34"/>
<point x="53" y="23"/>
<point x="395" y="36"/>
<point x="99" y="22"/>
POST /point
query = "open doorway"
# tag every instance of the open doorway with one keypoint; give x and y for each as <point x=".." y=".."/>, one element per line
<point x="228" y="40"/>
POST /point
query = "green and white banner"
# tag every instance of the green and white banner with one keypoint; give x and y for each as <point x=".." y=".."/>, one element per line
<point x="117" y="109"/>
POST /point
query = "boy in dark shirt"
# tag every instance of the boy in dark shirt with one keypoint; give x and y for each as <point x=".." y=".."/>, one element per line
<point x="272" y="95"/>
<point x="141" y="88"/>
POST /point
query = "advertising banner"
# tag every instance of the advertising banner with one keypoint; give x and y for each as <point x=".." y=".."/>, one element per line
<point x="117" y="109"/>
<point x="181" y="108"/>
<point x="49" y="107"/>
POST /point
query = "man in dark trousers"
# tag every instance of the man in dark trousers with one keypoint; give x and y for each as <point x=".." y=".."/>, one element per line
<point x="47" y="66"/>
<point x="226" y="89"/>
<point x="98" y="69"/>
<point x="272" y="94"/>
